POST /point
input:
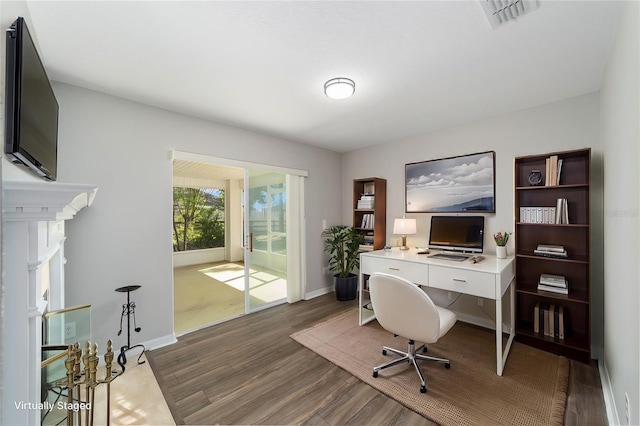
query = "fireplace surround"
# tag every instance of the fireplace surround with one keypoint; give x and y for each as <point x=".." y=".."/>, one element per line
<point x="33" y="219"/>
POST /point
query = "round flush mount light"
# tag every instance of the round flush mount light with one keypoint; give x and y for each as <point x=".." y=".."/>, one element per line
<point x="339" y="88"/>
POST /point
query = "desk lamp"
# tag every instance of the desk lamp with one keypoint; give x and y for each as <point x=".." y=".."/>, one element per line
<point x="405" y="227"/>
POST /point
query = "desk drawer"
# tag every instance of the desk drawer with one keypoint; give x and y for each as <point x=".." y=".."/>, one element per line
<point x="417" y="273"/>
<point x="475" y="283"/>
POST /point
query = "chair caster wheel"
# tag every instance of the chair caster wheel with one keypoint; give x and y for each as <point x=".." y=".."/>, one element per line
<point x="448" y="365"/>
<point x="375" y="374"/>
<point x="424" y="350"/>
<point x="423" y="389"/>
<point x="384" y="352"/>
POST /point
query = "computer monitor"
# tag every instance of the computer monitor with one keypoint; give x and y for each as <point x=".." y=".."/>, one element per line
<point x="457" y="233"/>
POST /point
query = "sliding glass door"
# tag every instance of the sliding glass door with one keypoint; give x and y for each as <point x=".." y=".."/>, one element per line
<point x="265" y="239"/>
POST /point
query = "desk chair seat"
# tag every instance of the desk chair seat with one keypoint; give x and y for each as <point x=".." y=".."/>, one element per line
<point x="403" y="309"/>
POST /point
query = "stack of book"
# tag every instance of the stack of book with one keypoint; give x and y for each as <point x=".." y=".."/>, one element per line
<point x="548" y="250"/>
<point x="366" y="202"/>
<point x="548" y="320"/>
<point x="553" y="170"/>
<point x="553" y="283"/>
<point x="367" y="244"/>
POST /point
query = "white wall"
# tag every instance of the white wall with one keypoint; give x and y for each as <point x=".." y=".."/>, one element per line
<point x="125" y="237"/>
<point x="565" y="125"/>
<point x="621" y="137"/>
<point x="8" y="13"/>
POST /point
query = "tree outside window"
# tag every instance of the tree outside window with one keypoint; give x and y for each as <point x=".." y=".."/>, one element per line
<point x="198" y="218"/>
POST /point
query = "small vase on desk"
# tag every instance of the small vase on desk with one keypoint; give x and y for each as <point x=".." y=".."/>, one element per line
<point x="501" y="252"/>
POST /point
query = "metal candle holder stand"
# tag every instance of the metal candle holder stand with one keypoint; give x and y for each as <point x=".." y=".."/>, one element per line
<point x="128" y="309"/>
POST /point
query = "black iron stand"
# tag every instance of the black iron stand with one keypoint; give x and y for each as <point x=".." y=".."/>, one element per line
<point x="128" y="310"/>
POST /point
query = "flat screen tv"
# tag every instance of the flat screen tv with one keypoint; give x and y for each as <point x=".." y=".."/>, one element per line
<point x="457" y="233"/>
<point x="31" y="108"/>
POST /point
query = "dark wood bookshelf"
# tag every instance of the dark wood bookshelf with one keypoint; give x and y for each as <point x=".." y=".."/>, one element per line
<point x="574" y="185"/>
<point x="376" y="187"/>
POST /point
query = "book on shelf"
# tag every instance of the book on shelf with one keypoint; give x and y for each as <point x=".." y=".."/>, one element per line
<point x="553" y="166"/>
<point x="545" y="253"/>
<point x="548" y="320"/>
<point x="367" y="221"/>
<point x="551" y="247"/>
<point x="538" y="214"/>
<point x="366" y="201"/>
<point x="562" y="211"/>
<point x="553" y="280"/>
<point x="559" y="170"/>
<point x="553" y="289"/>
<point x="551" y="251"/>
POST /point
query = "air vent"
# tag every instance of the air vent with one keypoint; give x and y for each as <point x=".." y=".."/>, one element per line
<point x="500" y="12"/>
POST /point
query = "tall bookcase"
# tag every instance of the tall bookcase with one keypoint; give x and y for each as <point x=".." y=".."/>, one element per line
<point x="370" y="211"/>
<point x="574" y="186"/>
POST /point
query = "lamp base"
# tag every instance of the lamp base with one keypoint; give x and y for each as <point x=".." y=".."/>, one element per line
<point x="404" y="243"/>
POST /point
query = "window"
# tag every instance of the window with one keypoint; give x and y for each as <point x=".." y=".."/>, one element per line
<point x="198" y="218"/>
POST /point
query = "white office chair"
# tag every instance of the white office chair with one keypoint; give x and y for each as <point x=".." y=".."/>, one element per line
<point x="402" y="308"/>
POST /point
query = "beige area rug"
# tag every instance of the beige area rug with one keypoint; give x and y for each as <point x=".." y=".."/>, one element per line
<point x="532" y="390"/>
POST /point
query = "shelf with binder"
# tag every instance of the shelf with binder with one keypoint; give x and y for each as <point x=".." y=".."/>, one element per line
<point x="576" y="196"/>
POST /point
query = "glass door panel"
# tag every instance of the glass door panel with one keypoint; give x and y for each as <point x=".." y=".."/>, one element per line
<point x="266" y="248"/>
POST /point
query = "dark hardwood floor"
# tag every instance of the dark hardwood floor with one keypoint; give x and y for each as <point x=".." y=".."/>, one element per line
<point x="249" y="371"/>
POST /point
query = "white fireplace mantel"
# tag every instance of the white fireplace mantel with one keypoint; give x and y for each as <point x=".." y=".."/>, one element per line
<point x="44" y="201"/>
<point x="33" y="216"/>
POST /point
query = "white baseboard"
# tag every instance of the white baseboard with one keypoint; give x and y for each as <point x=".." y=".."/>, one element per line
<point x="317" y="293"/>
<point x="607" y="391"/>
<point x="158" y="342"/>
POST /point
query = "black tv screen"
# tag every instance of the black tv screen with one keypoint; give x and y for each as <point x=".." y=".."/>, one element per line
<point x="31" y="108"/>
<point x="457" y="233"/>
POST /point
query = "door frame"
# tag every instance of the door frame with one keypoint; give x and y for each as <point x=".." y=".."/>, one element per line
<point x="296" y="252"/>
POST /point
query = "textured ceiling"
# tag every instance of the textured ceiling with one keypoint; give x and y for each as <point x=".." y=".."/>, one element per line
<point x="418" y="66"/>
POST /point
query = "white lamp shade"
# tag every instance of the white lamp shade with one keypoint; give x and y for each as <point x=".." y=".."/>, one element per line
<point x="404" y="226"/>
<point x="339" y="88"/>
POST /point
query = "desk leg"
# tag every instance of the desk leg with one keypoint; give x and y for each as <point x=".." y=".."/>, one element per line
<point x="499" y="361"/>
<point x="501" y="357"/>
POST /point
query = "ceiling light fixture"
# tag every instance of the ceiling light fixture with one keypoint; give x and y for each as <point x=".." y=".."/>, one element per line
<point x="339" y="88"/>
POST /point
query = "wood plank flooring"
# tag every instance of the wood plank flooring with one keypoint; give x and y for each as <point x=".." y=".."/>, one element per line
<point x="249" y="371"/>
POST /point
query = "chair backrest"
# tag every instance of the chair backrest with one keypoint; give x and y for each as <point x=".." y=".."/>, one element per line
<point x="402" y="308"/>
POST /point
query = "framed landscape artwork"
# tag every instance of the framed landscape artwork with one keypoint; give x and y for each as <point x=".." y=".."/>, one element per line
<point x="464" y="184"/>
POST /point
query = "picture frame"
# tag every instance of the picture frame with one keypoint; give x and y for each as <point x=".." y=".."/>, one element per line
<point x="461" y="184"/>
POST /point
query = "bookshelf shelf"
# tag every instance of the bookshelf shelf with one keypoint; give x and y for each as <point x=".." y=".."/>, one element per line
<point x="573" y="185"/>
<point x="551" y="188"/>
<point x="559" y="225"/>
<point x="530" y="255"/>
<point x="370" y="221"/>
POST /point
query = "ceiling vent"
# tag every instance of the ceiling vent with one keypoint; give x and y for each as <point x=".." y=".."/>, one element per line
<point x="500" y="12"/>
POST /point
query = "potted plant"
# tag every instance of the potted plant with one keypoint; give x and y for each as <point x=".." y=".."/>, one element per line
<point x="501" y="239"/>
<point x="343" y="244"/>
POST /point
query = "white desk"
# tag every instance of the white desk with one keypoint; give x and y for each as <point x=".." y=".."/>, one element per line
<point x="489" y="279"/>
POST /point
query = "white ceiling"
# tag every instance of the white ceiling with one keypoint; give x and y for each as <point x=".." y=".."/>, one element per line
<point x="418" y="65"/>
